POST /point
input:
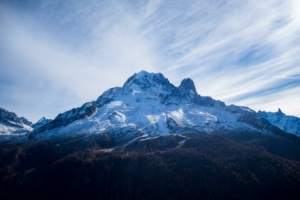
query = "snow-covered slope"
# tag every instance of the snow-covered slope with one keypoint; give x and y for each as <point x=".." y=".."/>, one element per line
<point x="41" y="122"/>
<point x="286" y="123"/>
<point x="10" y="123"/>
<point x="148" y="105"/>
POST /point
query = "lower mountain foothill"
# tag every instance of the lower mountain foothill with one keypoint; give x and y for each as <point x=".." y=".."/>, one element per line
<point x="186" y="166"/>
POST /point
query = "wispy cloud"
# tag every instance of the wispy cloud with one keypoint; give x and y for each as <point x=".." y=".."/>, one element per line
<point x="297" y="78"/>
<point x="239" y="52"/>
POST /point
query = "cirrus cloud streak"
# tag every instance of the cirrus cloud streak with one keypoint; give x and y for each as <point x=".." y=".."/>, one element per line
<point x="56" y="55"/>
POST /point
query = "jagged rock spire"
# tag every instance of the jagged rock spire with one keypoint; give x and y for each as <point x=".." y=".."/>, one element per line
<point x="187" y="84"/>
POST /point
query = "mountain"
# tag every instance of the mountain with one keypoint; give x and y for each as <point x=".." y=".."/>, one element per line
<point x="41" y="122"/>
<point x="152" y="140"/>
<point x="289" y="124"/>
<point x="148" y="105"/>
<point x="10" y="123"/>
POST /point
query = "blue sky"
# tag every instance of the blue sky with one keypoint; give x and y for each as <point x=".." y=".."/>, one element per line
<point x="56" y="55"/>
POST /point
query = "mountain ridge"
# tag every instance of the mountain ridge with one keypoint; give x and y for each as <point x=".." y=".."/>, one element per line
<point x="10" y="123"/>
<point x="148" y="105"/>
<point x="287" y="123"/>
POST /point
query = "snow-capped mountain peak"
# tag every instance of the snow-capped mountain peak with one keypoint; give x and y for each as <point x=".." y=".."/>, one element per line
<point x="149" y="105"/>
<point x="152" y="83"/>
<point x="286" y="123"/>
<point x="10" y="123"/>
<point x="41" y="122"/>
<point x="145" y="79"/>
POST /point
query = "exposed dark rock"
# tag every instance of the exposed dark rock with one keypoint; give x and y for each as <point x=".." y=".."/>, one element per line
<point x="66" y="118"/>
<point x="11" y="119"/>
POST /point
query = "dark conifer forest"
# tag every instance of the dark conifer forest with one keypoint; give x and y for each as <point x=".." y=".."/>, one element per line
<point x="204" y="167"/>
